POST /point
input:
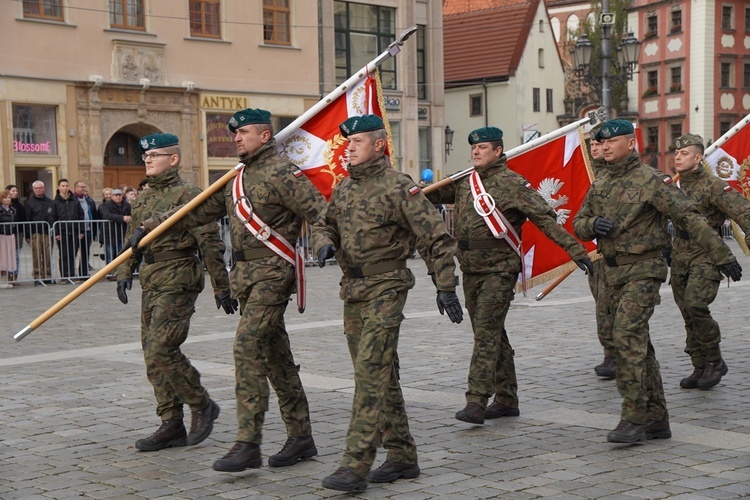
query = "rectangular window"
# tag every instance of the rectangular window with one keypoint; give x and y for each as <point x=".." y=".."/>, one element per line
<point x="676" y="77"/>
<point x="676" y="26"/>
<point x="550" y="104"/>
<point x="724" y="127"/>
<point x="726" y="17"/>
<point x="277" y="22"/>
<point x="34" y="130"/>
<point x="43" y="9"/>
<point x="747" y="19"/>
<point x="422" y="63"/>
<point x="127" y="14"/>
<point x="675" y="131"/>
<point x="537" y="98"/>
<point x="725" y="75"/>
<point x="652" y="136"/>
<point x="746" y="75"/>
<point x="652" y="26"/>
<point x="425" y="148"/>
<point x="475" y="105"/>
<point x="219" y="140"/>
<point x="361" y="33"/>
<point x="205" y="19"/>
<point x="652" y="83"/>
<point x="396" y="158"/>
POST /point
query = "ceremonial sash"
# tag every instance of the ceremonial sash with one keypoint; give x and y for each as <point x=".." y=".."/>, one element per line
<point x="243" y="209"/>
<point x="484" y="205"/>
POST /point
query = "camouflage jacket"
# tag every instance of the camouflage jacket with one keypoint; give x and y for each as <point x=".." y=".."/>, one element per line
<point x="373" y="217"/>
<point x="715" y="200"/>
<point x="638" y="200"/>
<point x="165" y="192"/>
<point x="517" y="201"/>
<point x="281" y="195"/>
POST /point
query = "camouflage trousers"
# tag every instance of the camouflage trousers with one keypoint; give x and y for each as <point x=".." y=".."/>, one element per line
<point x="694" y="290"/>
<point x="262" y="353"/>
<point x="638" y="377"/>
<point x="165" y="321"/>
<point x="601" y="308"/>
<point x="378" y="412"/>
<point x="492" y="371"/>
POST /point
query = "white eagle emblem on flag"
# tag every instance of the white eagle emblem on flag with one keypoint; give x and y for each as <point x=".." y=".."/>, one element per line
<point x="547" y="189"/>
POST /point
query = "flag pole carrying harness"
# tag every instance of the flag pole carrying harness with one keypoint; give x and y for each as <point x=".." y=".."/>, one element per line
<point x="243" y="209"/>
<point x="485" y="206"/>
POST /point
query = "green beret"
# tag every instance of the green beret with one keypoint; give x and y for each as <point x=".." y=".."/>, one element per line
<point x="359" y="124"/>
<point x="158" y="141"/>
<point x="249" y="116"/>
<point x="614" y="128"/>
<point x="688" y="140"/>
<point x="485" y="134"/>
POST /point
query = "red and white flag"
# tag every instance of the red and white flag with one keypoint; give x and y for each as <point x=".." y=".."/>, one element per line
<point x="557" y="170"/>
<point x="731" y="161"/>
<point x="317" y="146"/>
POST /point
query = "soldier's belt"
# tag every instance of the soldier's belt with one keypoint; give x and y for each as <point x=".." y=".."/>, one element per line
<point x="622" y="260"/>
<point x="481" y="244"/>
<point x="151" y="258"/>
<point x="252" y="254"/>
<point x="380" y="268"/>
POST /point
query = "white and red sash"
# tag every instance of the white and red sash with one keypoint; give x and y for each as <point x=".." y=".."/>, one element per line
<point x="484" y="204"/>
<point x="269" y="237"/>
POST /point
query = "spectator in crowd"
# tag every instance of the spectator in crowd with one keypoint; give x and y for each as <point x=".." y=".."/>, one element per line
<point x="7" y="239"/>
<point x="143" y="185"/>
<point x="106" y="194"/>
<point x="70" y="232"/>
<point x="117" y="212"/>
<point x="130" y="194"/>
<point x="88" y="206"/>
<point x="40" y="209"/>
<point x="20" y="217"/>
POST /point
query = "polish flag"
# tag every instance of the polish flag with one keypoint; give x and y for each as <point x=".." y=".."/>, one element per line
<point x="731" y="161"/>
<point x="557" y="170"/>
<point x="319" y="149"/>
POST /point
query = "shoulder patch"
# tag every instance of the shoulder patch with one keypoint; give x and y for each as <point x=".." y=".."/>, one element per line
<point x="727" y="188"/>
<point x="414" y="190"/>
<point x="528" y="185"/>
<point x="298" y="173"/>
<point x="667" y="180"/>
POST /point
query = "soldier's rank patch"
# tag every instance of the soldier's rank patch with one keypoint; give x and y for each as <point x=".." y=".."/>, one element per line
<point x="413" y="190"/>
<point x="298" y="173"/>
<point x="528" y="185"/>
<point x="727" y="188"/>
<point x="667" y="180"/>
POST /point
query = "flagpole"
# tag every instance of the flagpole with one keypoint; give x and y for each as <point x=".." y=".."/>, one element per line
<point x="724" y="138"/>
<point x="393" y="49"/>
<point x="594" y="117"/>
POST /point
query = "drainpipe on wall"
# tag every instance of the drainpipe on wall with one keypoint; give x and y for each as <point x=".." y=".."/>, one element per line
<point x="321" y="84"/>
<point x="486" y="105"/>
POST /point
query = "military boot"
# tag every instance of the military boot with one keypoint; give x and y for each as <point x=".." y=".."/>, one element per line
<point x="658" y="429"/>
<point x="170" y="434"/>
<point x="497" y="410"/>
<point x="345" y="480"/>
<point x="472" y="413"/>
<point x="608" y="368"/>
<point x="295" y="449"/>
<point x="691" y="381"/>
<point x="243" y="455"/>
<point x="712" y="374"/>
<point x="390" y="471"/>
<point x="203" y="423"/>
<point x="627" y="432"/>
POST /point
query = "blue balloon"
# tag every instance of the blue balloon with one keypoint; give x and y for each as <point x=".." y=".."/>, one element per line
<point x="427" y="175"/>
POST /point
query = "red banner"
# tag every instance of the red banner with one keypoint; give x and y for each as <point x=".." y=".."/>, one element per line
<point x="318" y="147"/>
<point x="731" y="161"/>
<point x="557" y="171"/>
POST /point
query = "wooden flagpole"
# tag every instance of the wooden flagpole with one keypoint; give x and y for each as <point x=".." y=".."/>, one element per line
<point x="393" y="49"/>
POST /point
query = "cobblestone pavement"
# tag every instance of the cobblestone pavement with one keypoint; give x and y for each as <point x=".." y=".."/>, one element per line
<point x="74" y="398"/>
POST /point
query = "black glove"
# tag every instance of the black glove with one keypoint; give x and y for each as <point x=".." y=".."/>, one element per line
<point x="732" y="270"/>
<point x="586" y="265"/>
<point x="666" y="252"/>
<point x="602" y="226"/>
<point x="225" y="300"/>
<point x="448" y="302"/>
<point x="136" y="238"/>
<point x="326" y="252"/>
<point x="122" y="286"/>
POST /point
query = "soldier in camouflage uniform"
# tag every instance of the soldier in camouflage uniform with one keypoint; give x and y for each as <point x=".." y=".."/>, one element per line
<point x="608" y="367"/>
<point x="372" y="219"/>
<point x="283" y="197"/>
<point x="626" y="212"/>
<point x="695" y="278"/>
<point x="171" y="279"/>
<point x="491" y="266"/>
